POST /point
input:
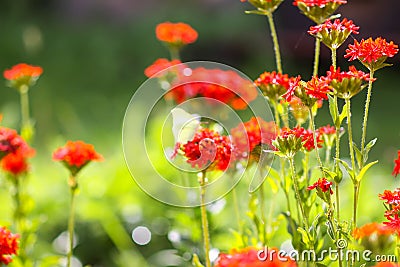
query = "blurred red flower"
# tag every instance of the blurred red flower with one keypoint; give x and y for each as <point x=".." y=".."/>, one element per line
<point x="251" y="257"/>
<point x="22" y="74"/>
<point x="11" y="142"/>
<point x="396" y="169"/>
<point x="159" y="65"/>
<point x="371" y="229"/>
<point x="16" y="163"/>
<point x="76" y="154"/>
<point x="176" y="33"/>
<point x="8" y="245"/>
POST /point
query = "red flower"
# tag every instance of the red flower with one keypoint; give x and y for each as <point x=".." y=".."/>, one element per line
<point x="251" y="134"/>
<point x="293" y="84"/>
<point x="396" y="169"/>
<point x="371" y="52"/>
<point x="22" y="74"/>
<point x="224" y="86"/>
<point x="208" y="149"/>
<point x="306" y="136"/>
<point x="176" y="33"/>
<point x="322" y="184"/>
<point x="319" y="3"/>
<point x="251" y="257"/>
<point x="16" y="163"/>
<point x="391" y="198"/>
<point x="11" y="142"/>
<point x="317" y="88"/>
<point x="8" y="245"/>
<point x="159" y="65"/>
<point x="328" y="130"/>
<point x="273" y="84"/>
<point x="334" y="34"/>
<point x="75" y="155"/>
<point x="386" y="264"/>
<point x="371" y="229"/>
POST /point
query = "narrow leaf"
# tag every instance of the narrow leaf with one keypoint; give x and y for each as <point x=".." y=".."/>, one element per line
<point x="364" y="170"/>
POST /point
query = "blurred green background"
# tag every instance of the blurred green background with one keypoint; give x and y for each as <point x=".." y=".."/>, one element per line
<point x="93" y="53"/>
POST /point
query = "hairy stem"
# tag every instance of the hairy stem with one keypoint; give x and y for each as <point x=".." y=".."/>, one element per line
<point x="204" y="220"/>
<point x="365" y="121"/>
<point x="275" y="42"/>
<point x="71" y="225"/>
<point x="312" y="124"/>
<point x="316" y="56"/>
<point x="297" y="193"/>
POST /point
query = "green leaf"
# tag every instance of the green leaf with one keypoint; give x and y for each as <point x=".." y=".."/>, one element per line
<point x="256" y="12"/>
<point x="329" y="172"/>
<point x="349" y="170"/>
<point x="367" y="148"/>
<point x="305" y="237"/>
<point x="342" y="115"/>
<point x="364" y="170"/>
<point x="273" y="184"/>
<point x="196" y="262"/>
<point x="333" y="109"/>
<point x="359" y="156"/>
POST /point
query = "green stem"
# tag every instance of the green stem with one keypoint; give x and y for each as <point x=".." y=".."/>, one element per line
<point x="71" y="223"/>
<point x="263" y="217"/>
<point x="297" y="193"/>
<point x="19" y="218"/>
<point x="353" y="165"/>
<point x="365" y="121"/>
<point x="174" y="52"/>
<point x="333" y="56"/>
<point x="355" y="203"/>
<point x="26" y="127"/>
<point x="316" y="56"/>
<point x="275" y="41"/>
<point x="312" y="123"/>
<point x="337" y="156"/>
<point x="276" y="113"/>
<point x="204" y="220"/>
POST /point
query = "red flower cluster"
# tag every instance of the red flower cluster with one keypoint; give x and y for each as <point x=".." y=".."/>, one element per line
<point x="306" y="135"/>
<point x="8" y="245"/>
<point x="249" y="257"/>
<point x="159" y="65"/>
<point x="337" y="27"/>
<point x="386" y="264"/>
<point x="396" y="169"/>
<point x="251" y="134"/>
<point x="392" y="199"/>
<point x="327" y="130"/>
<point x="371" y="51"/>
<point x="319" y="3"/>
<point x="208" y="149"/>
<point x="14" y="152"/>
<point x="22" y="74"/>
<point x="273" y="84"/>
<point x="322" y="184"/>
<point x="224" y="86"/>
<point x="75" y="155"/>
<point x="317" y="88"/>
<point x="346" y="83"/>
<point x="176" y="33"/>
<point x="372" y="229"/>
<point x="334" y="34"/>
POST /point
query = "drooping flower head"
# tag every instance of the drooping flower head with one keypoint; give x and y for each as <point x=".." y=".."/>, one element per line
<point x="208" y="150"/>
<point x="273" y="85"/>
<point x="75" y="155"/>
<point x="265" y="5"/>
<point x="160" y="65"/>
<point x="396" y="169"/>
<point x="372" y="53"/>
<point x="249" y="137"/>
<point x="8" y="245"/>
<point x="318" y="10"/>
<point x="22" y="76"/>
<point x="347" y="84"/>
<point x="334" y="34"/>
<point x="176" y="34"/>
<point x="252" y="257"/>
<point x="216" y="85"/>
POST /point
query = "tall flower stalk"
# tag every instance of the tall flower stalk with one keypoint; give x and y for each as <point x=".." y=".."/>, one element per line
<point x="74" y="156"/>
